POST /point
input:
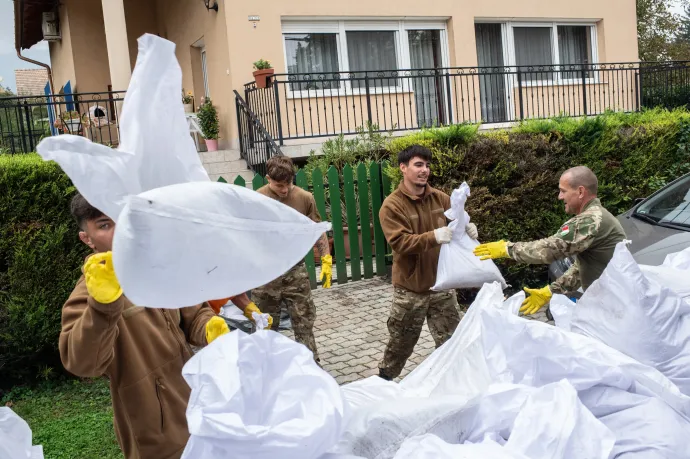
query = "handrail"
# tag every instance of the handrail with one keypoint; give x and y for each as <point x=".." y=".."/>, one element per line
<point x="256" y="143"/>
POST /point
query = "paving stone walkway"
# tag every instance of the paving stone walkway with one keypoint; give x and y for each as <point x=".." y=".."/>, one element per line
<point x="351" y="331"/>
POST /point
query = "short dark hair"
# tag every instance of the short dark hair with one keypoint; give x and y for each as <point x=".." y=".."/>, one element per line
<point x="414" y="151"/>
<point x="280" y="168"/>
<point x="82" y="211"/>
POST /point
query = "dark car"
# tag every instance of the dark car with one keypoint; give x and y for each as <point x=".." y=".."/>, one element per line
<point x="657" y="226"/>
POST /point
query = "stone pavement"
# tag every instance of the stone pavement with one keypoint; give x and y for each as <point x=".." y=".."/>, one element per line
<point x="351" y="331"/>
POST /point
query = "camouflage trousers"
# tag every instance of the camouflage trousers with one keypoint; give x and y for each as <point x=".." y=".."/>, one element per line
<point x="293" y="288"/>
<point x="407" y="315"/>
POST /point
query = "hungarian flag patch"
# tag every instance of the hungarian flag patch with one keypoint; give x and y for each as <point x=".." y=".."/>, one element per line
<point x="565" y="229"/>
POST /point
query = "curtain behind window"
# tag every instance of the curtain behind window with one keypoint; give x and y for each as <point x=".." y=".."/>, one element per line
<point x="315" y="54"/>
<point x="533" y="47"/>
<point x="372" y="51"/>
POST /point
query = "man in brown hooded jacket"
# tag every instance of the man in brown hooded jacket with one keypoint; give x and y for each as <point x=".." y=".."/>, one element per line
<point x="140" y="350"/>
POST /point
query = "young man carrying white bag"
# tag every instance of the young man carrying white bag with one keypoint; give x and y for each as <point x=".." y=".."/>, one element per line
<point x="457" y="266"/>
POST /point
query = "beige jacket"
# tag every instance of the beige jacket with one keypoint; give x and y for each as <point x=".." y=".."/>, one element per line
<point x="141" y="351"/>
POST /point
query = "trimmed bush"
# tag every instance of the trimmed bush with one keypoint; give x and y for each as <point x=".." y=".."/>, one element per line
<point x="40" y="261"/>
<point x="513" y="175"/>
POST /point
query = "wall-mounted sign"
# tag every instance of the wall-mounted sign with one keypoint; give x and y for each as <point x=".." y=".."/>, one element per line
<point x="254" y="18"/>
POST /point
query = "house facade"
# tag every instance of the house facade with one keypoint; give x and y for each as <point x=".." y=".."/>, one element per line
<point x="340" y="65"/>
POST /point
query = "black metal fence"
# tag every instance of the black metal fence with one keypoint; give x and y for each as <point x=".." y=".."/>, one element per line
<point x="325" y="104"/>
<point x="256" y="143"/>
<point x="24" y="121"/>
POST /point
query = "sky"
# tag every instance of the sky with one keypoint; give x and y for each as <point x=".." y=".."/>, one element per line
<point x="8" y="56"/>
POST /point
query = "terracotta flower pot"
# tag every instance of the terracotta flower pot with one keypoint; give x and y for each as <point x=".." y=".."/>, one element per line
<point x="261" y="77"/>
<point x="346" y="234"/>
<point x="212" y="144"/>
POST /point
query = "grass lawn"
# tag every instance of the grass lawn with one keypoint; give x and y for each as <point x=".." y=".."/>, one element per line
<point x="71" y="419"/>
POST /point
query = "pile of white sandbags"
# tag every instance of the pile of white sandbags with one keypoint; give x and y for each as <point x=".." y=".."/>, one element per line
<point x="501" y="387"/>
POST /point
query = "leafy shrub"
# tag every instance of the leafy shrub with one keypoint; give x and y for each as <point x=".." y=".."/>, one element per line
<point x="40" y="260"/>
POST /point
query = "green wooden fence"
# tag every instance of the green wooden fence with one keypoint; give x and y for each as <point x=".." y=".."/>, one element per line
<point x="351" y="201"/>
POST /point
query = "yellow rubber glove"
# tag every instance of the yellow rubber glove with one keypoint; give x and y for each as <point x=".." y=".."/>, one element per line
<point x="537" y="299"/>
<point x="251" y="307"/>
<point x="101" y="281"/>
<point x="216" y="327"/>
<point x="492" y="250"/>
<point x="326" y="271"/>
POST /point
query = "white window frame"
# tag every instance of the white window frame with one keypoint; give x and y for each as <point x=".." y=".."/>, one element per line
<point x="204" y="72"/>
<point x="340" y="27"/>
<point x="509" y="49"/>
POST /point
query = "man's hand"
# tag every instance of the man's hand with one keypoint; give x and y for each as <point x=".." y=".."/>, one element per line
<point x="492" y="250"/>
<point x="250" y="308"/>
<point x="443" y="235"/>
<point x="326" y="271"/>
<point x="471" y="230"/>
<point x="536" y="300"/>
<point x="216" y="327"/>
<point x="101" y="281"/>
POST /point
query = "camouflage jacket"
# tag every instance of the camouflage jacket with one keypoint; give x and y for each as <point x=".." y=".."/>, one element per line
<point x="590" y="237"/>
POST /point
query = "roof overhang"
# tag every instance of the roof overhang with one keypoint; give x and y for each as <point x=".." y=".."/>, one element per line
<point x="28" y="18"/>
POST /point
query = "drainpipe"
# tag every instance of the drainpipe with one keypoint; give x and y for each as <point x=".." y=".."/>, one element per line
<point x="20" y="5"/>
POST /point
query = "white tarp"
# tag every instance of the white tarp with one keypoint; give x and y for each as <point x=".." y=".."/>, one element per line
<point x="260" y="396"/>
<point x="180" y="239"/>
<point x="458" y="267"/>
<point x="15" y="437"/>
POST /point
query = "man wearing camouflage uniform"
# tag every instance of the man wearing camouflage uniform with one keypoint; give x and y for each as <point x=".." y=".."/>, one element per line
<point x="591" y="236"/>
<point x="293" y="287"/>
<point x="413" y="221"/>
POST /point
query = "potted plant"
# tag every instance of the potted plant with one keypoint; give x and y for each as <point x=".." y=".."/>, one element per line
<point x="188" y="102"/>
<point x="69" y="121"/>
<point x="208" y="122"/>
<point x="262" y="71"/>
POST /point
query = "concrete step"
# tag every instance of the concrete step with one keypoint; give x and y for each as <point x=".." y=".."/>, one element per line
<point x="219" y="156"/>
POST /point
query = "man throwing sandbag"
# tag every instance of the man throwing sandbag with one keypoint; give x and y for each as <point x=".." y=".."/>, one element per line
<point x="591" y="236"/>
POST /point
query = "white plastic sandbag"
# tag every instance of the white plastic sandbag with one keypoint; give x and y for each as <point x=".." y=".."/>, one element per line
<point x="188" y="243"/>
<point x="673" y="273"/>
<point x="458" y="267"/>
<point x="260" y="396"/>
<point x="15" y="437"/>
<point x="639" y="317"/>
<point x="155" y="146"/>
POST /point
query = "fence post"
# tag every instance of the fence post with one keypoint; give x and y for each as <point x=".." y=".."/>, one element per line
<point x="639" y="82"/>
<point x="18" y="113"/>
<point x="279" y="119"/>
<point x="450" y="99"/>
<point x="309" y="261"/>
<point x="28" y="125"/>
<point x="352" y="227"/>
<point x="519" y="78"/>
<point x="365" y="221"/>
<point x="584" y="89"/>
<point x="366" y="83"/>
<point x="337" y="222"/>
<point x="376" y="202"/>
<point x="239" y="129"/>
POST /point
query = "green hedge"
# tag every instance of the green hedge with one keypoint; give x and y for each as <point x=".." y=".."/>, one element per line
<point x="40" y="259"/>
<point x="513" y="175"/>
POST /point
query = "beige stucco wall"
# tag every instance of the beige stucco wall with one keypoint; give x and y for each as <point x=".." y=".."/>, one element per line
<point x="185" y="23"/>
<point x="81" y="56"/>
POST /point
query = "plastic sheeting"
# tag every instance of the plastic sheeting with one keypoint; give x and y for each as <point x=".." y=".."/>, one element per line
<point x="260" y="396"/>
<point x="15" y="437"/>
<point x="180" y="239"/>
<point x="458" y="267"/>
<point x="188" y="243"/>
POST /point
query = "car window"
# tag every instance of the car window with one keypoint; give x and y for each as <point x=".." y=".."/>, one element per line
<point x="670" y="206"/>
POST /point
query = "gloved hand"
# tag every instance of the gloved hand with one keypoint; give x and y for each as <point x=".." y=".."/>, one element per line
<point x="471" y="230"/>
<point x="538" y="297"/>
<point x="326" y="271"/>
<point x="215" y="328"/>
<point x="101" y="281"/>
<point x="251" y="307"/>
<point x="492" y="250"/>
<point x="217" y="305"/>
<point x="443" y="235"/>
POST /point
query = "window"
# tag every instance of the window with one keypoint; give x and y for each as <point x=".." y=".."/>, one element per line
<point x="310" y="53"/>
<point x="542" y="46"/>
<point x="371" y="51"/>
<point x="533" y="47"/>
<point x="351" y="50"/>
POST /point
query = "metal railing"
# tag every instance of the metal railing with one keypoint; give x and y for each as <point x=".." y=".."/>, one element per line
<point x="24" y="121"/>
<point x="298" y="106"/>
<point x="256" y="144"/>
